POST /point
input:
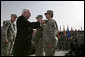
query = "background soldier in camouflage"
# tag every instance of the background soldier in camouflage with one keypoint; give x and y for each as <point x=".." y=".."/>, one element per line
<point x="38" y="39"/>
<point x="3" y="44"/>
<point x="8" y="34"/>
<point x="49" y="34"/>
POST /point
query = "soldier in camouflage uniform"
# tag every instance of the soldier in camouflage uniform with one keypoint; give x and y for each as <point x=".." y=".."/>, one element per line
<point x="39" y="39"/>
<point x="3" y="44"/>
<point x="49" y="34"/>
<point x="8" y="36"/>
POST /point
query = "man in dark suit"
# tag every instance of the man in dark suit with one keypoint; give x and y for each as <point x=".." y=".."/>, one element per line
<point x="24" y="34"/>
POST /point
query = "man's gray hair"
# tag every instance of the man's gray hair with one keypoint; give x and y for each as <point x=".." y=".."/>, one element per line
<point x="24" y="10"/>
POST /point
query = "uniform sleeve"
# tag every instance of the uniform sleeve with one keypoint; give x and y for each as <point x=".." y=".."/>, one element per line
<point x="5" y="28"/>
<point x="52" y="28"/>
<point x="56" y="28"/>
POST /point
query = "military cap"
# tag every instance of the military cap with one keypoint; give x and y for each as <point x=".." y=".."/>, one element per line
<point x="49" y="12"/>
<point x="14" y="15"/>
<point x="39" y="16"/>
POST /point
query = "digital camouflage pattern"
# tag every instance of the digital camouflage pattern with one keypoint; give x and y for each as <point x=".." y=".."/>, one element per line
<point x="38" y="42"/>
<point x="49" y="34"/>
<point x="8" y="31"/>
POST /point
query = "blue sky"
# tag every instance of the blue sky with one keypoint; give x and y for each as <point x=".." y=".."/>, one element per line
<point x="69" y="13"/>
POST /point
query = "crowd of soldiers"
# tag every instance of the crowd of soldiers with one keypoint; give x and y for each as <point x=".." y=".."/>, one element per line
<point x="63" y="42"/>
<point x="75" y="43"/>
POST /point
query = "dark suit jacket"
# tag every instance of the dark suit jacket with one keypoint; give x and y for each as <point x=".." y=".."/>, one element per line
<point x="24" y="35"/>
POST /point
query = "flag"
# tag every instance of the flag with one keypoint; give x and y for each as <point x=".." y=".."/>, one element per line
<point x="81" y="28"/>
<point x="64" y="32"/>
<point x="68" y="32"/>
<point x="58" y="34"/>
<point x="71" y="31"/>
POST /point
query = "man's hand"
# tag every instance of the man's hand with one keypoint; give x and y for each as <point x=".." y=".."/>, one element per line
<point x="46" y="21"/>
<point x="42" y="21"/>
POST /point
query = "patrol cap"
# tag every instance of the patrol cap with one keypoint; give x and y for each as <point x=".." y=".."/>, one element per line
<point x="14" y="15"/>
<point x="49" y="12"/>
<point x="39" y="16"/>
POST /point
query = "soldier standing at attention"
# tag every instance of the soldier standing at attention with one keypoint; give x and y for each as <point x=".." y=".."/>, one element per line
<point x="49" y="34"/>
<point x="8" y="36"/>
<point x="38" y="39"/>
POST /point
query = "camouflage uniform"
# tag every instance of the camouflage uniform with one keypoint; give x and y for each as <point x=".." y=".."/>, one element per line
<point x="38" y="42"/>
<point x="49" y="37"/>
<point x="39" y="39"/>
<point x="3" y="44"/>
<point x="8" y="31"/>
